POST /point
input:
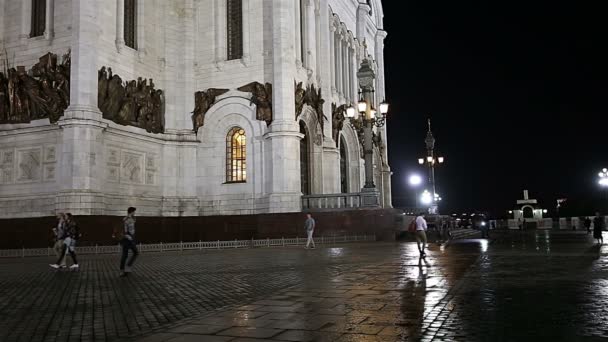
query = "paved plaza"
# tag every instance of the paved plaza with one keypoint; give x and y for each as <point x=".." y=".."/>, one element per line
<point x="531" y="286"/>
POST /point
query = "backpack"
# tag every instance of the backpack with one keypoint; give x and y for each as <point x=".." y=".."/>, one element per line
<point x="118" y="233"/>
<point x="412" y="227"/>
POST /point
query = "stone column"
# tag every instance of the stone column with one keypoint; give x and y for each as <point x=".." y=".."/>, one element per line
<point x="381" y="95"/>
<point x="297" y="14"/>
<point x="339" y="60"/>
<point x="331" y="155"/>
<point x="311" y="49"/>
<point x="283" y="138"/>
<point x="49" y="23"/>
<point x="120" y="24"/>
<point x="26" y="19"/>
<point x="332" y="58"/>
<point x="81" y="161"/>
<point x="362" y="13"/>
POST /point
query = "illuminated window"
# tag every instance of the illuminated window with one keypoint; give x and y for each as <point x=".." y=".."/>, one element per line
<point x="130" y="23"/>
<point x="38" y="18"/>
<point x="235" y="29"/>
<point x="236" y="156"/>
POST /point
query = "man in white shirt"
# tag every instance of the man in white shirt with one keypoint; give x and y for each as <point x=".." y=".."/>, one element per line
<point x="421" y="228"/>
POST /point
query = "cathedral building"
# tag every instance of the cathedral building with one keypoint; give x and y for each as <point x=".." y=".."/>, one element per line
<point x="186" y="107"/>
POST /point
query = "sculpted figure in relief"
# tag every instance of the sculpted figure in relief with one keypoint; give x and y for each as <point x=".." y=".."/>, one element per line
<point x="136" y="102"/>
<point x="261" y="96"/>
<point x="337" y="119"/>
<point x="43" y="92"/>
<point x="203" y="100"/>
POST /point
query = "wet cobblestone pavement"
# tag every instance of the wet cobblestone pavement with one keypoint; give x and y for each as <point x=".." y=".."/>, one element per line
<point x="534" y="286"/>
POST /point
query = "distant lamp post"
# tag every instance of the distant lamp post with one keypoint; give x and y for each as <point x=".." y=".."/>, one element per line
<point x="369" y="117"/>
<point x="603" y="181"/>
<point x="415" y="181"/>
<point x="426" y="198"/>
<point x="603" y="178"/>
<point x="431" y="160"/>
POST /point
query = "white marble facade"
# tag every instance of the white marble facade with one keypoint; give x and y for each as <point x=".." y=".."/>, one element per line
<point x="92" y="166"/>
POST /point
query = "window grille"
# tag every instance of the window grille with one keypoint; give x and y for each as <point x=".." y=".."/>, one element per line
<point x="130" y="22"/>
<point x="234" y="30"/>
<point x="38" y="18"/>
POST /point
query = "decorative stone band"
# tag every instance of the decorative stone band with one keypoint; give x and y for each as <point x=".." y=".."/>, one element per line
<point x="42" y="92"/>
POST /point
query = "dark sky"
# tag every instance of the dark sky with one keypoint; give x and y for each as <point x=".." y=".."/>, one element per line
<point x="517" y="92"/>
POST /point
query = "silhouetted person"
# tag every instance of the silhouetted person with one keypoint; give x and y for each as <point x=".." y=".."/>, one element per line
<point x="128" y="242"/>
<point x="598" y="227"/>
<point x="309" y="225"/>
<point x="587" y="224"/>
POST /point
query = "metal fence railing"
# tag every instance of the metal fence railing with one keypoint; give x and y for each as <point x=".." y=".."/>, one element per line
<point x="185" y="246"/>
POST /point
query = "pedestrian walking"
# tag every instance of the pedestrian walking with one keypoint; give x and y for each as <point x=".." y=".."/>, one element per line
<point x="421" y="228"/>
<point x="128" y="242"/>
<point x="587" y="224"/>
<point x="309" y="225"/>
<point x="71" y="234"/>
<point x="598" y="227"/>
<point x="59" y="232"/>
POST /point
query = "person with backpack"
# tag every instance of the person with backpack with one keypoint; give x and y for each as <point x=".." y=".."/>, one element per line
<point x="128" y="242"/>
<point x="71" y="234"/>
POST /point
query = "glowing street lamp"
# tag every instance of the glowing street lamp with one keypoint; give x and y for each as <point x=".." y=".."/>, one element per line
<point x="415" y="180"/>
<point x="426" y="198"/>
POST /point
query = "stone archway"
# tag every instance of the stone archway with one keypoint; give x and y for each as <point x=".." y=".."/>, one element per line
<point x="305" y="160"/>
<point x="344" y="168"/>
<point x="527" y="212"/>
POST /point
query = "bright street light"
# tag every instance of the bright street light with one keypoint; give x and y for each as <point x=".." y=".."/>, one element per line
<point x="415" y="180"/>
<point x="426" y="198"/>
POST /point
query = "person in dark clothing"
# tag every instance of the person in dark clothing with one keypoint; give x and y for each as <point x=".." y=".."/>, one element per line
<point x="128" y="242"/>
<point x="587" y="224"/>
<point x="598" y="226"/>
<point x="71" y="235"/>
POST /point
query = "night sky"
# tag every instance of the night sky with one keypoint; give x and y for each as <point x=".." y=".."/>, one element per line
<point x="518" y="95"/>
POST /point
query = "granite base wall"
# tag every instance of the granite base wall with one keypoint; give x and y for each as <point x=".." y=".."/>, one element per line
<point x="36" y="232"/>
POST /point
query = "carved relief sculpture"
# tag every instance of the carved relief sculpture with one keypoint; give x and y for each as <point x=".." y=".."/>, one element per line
<point x="300" y="97"/>
<point x="337" y="119"/>
<point x="43" y="92"/>
<point x="261" y="96"/>
<point x="203" y="100"/>
<point x="312" y="97"/>
<point x="134" y="103"/>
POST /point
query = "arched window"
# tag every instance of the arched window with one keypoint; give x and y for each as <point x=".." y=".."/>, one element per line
<point x="130" y="23"/>
<point x="343" y="167"/>
<point x="38" y="18"/>
<point x="234" y="30"/>
<point x="236" y="156"/>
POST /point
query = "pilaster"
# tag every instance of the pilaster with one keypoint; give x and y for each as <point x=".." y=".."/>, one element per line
<point x="81" y="171"/>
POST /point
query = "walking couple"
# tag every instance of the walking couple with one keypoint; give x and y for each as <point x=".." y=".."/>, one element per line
<point x="66" y="235"/>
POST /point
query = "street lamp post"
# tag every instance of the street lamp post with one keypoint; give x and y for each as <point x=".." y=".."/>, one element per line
<point x="369" y="118"/>
<point x="431" y="160"/>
